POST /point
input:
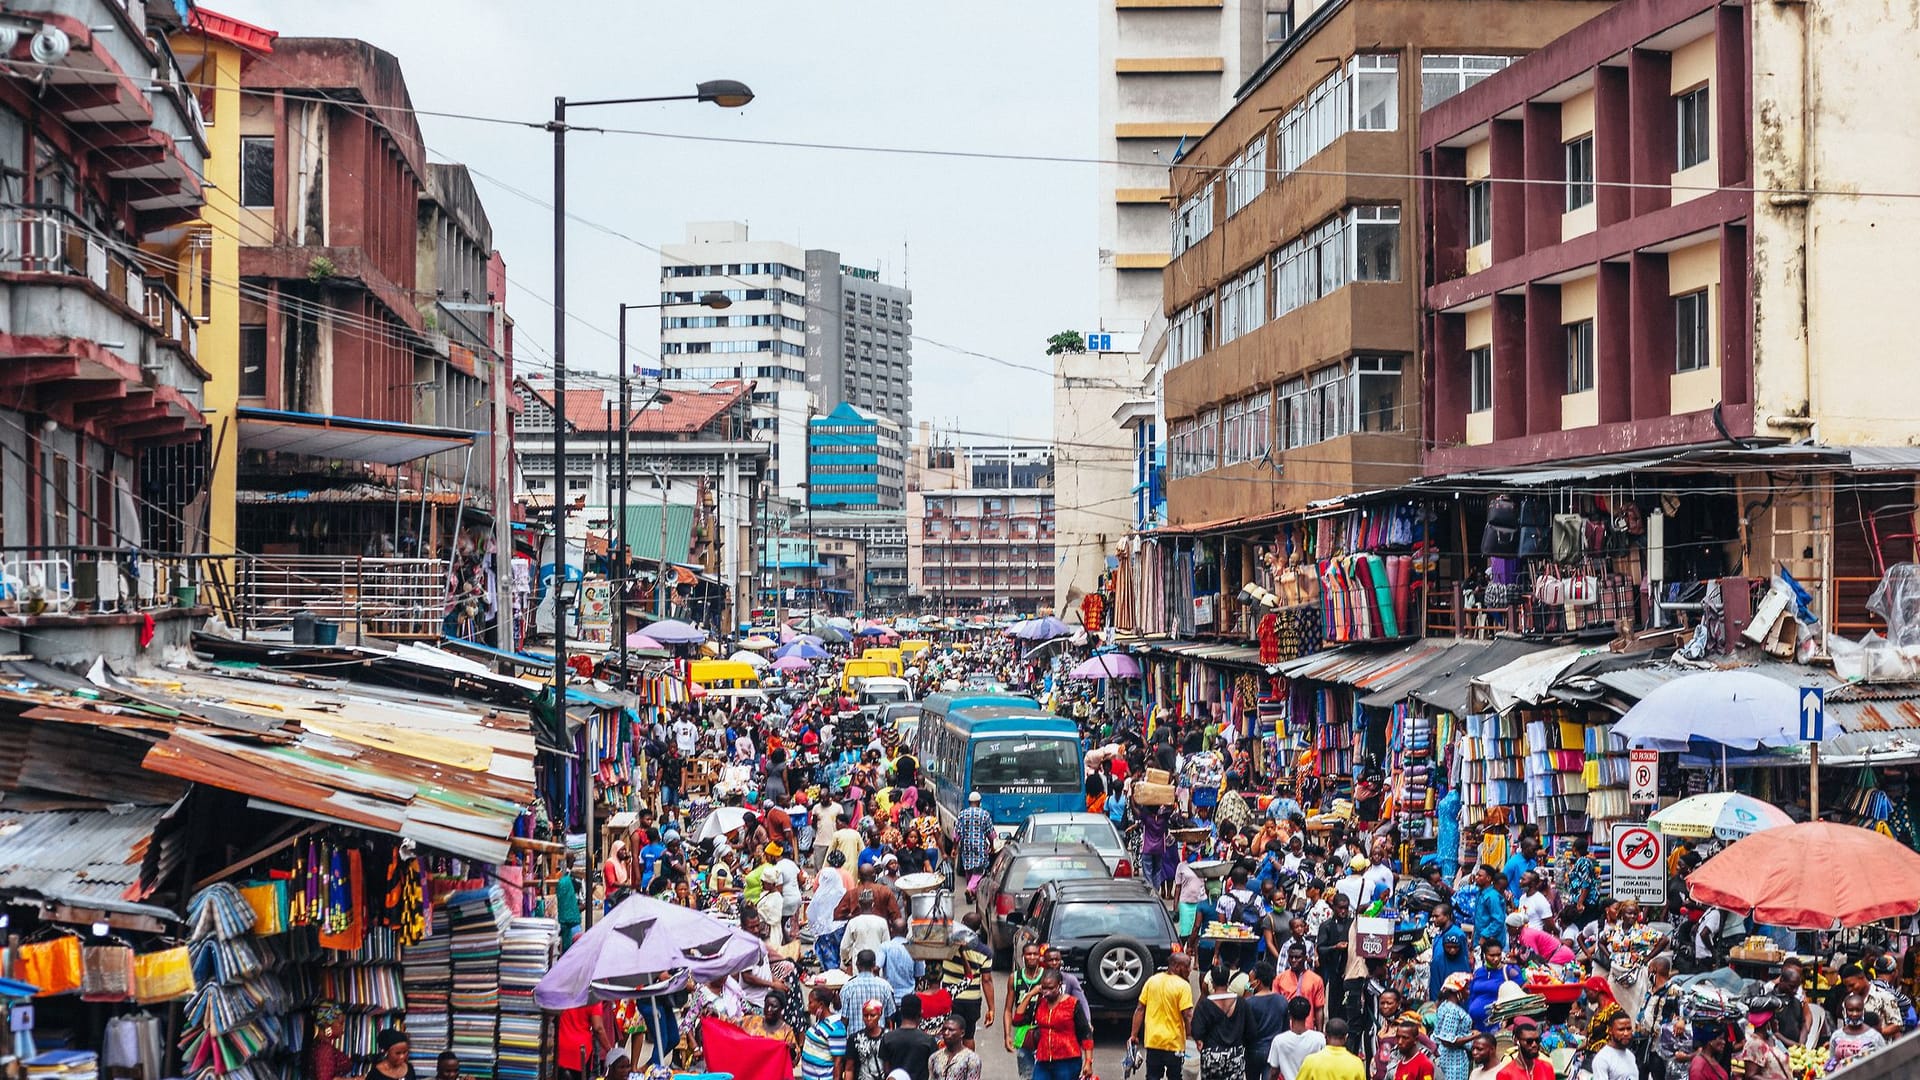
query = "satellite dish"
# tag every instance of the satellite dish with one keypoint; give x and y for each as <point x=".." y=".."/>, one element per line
<point x="9" y="37"/>
<point x="50" y="45"/>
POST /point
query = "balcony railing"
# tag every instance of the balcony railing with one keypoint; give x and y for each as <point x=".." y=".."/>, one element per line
<point x="385" y="598"/>
<point x="82" y="580"/>
<point x="51" y="240"/>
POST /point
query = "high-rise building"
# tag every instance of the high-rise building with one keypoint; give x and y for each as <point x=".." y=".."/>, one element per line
<point x="810" y="331"/>
<point x="855" y="460"/>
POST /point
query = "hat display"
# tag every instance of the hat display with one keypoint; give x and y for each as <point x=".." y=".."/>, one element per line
<point x="1457" y="982"/>
<point x="1513" y="1001"/>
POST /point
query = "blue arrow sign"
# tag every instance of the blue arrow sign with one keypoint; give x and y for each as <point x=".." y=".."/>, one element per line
<point x="1813" y="714"/>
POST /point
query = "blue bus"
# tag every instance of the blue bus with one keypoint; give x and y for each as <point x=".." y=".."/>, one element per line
<point x="1021" y="759"/>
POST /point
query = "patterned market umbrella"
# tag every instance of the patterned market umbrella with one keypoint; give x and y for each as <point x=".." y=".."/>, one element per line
<point x="1728" y="815"/>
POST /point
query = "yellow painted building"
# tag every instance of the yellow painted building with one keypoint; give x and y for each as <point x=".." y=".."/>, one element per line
<point x="212" y="52"/>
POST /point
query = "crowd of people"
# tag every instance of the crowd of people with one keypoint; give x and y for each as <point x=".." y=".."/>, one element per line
<point x="1314" y="944"/>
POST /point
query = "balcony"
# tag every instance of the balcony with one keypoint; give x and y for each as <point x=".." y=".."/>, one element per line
<point x="65" y="292"/>
<point x="378" y="598"/>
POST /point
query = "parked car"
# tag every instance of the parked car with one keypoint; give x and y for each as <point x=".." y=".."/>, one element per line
<point x="1067" y="828"/>
<point x="1017" y="872"/>
<point x="1113" y="933"/>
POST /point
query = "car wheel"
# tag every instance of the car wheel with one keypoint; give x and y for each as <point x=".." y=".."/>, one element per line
<point x="1118" y="967"/>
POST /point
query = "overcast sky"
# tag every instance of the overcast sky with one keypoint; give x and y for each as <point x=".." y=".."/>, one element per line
<point x="999" y="254"/>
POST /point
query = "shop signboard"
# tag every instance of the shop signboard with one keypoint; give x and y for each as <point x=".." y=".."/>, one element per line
<point x="1643" y="778"/>
<point x="1638" y="868"/>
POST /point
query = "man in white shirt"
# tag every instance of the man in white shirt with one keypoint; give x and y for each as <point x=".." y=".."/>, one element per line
<point x="686" y="736"/>
<point x="1376" y="883"/>
<point x="1533" y="899"/>
<point x="1615" y="1061"/>
<point x="865" y="931"/>
<point x="1291" y="1047"/>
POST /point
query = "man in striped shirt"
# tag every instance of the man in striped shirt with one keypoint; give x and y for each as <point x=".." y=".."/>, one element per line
<point x="964" y="974"/>
<point x="865" y="986"/>
<point x="823" y="1054"/>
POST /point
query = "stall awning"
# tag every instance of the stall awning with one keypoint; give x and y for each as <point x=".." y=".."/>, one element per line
<point x="1362" y="665"/>
<point x="1445" y="688"/>
<point x="1526" y="681"/>
<point x="1391" y="688"/>
<point x="346" y="438"/>
<point x="1211" y="652"/>
<point x="82" y="858"/>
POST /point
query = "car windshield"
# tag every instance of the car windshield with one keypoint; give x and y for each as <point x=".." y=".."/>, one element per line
<point x="1143" y="919"/>
<point x="1098" y="833"/>
<point x="1032" y="871"/>
<point x="879" y="696"/>
<point x="1025" y="763"/>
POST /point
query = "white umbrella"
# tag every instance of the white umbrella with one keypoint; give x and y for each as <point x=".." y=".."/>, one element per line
<point x="721" y="821"/>
<point x="1740" y="709"/>
<point x="752" y="658"/>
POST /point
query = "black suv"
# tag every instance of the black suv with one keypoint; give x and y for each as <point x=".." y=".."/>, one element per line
<point x="1114" y="932"/>
<point x="1020" y="869"/>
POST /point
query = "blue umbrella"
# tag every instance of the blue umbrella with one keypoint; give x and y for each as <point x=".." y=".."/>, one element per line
<point x="875" y="631"/>
<point x="805" y="650"/>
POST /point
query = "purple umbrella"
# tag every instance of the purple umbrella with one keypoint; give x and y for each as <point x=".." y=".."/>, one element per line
<point x="791" y="663"/>
<point x="637" y="946"/>
<point x="639" y="640"/>
<point x="675" y="632"/>
<point x="803" y="650"/>
<point x="1106" y="666"/>
<point x="1044" y="628"/>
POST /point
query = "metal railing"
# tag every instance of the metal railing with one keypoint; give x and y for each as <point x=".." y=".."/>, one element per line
<point x="50" y="240"/>
<point x="83" y="580"/>
<point x="378" y="597"/>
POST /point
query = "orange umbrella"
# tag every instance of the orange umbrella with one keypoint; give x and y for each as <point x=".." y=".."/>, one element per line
<point x="1816" y="875"/>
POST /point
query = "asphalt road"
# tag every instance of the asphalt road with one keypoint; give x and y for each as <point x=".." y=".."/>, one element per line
<point x="1109" y="1040"/>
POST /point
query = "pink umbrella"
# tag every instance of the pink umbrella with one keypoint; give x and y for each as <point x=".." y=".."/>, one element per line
<point x="639" y="640"/>
<point x="791" y="663"/>
<point x="1106" y="666"/>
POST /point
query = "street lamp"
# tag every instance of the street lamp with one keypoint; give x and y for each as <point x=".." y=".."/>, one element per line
<point x="716" y="301"/>
<point x="726" y="93"/>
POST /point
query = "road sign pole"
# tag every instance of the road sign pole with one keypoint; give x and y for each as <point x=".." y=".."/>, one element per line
<point x="1813" y="779"/>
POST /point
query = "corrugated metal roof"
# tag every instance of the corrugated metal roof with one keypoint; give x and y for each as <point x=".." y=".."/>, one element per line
<point x="1361" y="665"/>
<point x="1392" y="688"/>
<point x="87" y="858"/>
<point x="1446" y="688"/>
<point x="1212" y="652"/>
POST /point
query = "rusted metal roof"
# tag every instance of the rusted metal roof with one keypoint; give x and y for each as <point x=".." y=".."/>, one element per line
<point x="86" y="858"/>
<point x="1362" y="665"/>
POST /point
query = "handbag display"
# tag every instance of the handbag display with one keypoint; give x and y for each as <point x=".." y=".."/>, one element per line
<point x="1569" y="537"/>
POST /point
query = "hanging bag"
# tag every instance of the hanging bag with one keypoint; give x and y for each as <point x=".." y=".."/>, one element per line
<point x="1569" y="537"/>
<point x="106" y="972"/>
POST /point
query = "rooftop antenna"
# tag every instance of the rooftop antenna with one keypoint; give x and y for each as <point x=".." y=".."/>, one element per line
<point x="906" y="266"/>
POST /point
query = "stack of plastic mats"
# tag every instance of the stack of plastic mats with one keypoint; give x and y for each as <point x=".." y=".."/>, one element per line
<point x="428" y="977"/>
<point x="476" y="919"/>
<point x="526" y="952"/>
<point x="235" y="1013"/>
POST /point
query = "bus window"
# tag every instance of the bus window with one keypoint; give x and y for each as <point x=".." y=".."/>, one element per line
<point x="1027" y="763"/>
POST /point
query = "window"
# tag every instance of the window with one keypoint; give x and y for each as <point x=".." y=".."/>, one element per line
<point x="1579" y="172"/>
<point x="1333" y="407"/>
<point x="1243" y="303"/>
<point x="1232" y="435"/>
<point x="1479" y="213"/>
<point x="1193" y="220"/>
<point x="1259" y="425"/>
<point x="1441" y="77"/>
<point x="1207" y="446"/>
<point x="1691" y="345"/>
<point x="1293" y="413"/>
<point x="1331" y="239"/>
<point x="253" y="361"/>
<point x="1480" y="379"/>
<point x="1376" y="243"/>
<point x="1579" y="356"/>
<point x="1376" y="91"/>
<point x="1312" y="124"/>
<point x="1247" y="175"/>
<point x="1695" y="127"/>
<point x="1191" y="333"/>
<point x="1376" y="393"/>
<point x="256" y="171"/>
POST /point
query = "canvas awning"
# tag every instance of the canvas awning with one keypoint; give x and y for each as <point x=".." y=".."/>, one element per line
<point x="345" y="438"/>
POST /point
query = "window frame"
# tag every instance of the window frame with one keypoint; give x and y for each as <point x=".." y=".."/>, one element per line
<point x="1479" y="379"/>
<point x="1696" y="332"/>
<point x="247" y="144"/>
<point x="1577" y="154"/>
<point x="1479" y="213"/>
<point x="250" y="388"/>
<point x="1365" y="68"/>
<point x="1693" y="127"/>
<point x="1577" y="352"/>
<point x="1373" y="217"/>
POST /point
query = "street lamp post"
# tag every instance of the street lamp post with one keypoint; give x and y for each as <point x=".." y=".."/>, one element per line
<point x="725" y="93"/>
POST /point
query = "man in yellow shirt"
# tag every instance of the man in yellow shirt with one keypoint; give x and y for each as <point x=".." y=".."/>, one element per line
<point x="1164" y="1014"/>
<point x="1335" y="1062"/>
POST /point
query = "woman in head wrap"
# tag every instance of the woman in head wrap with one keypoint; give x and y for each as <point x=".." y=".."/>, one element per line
<point x="772" y="902"/>
<point x="325" y="1060"/>
<point x="827" y="893"/>
<point x="1453" y="1028"/>
<point x="392" y="1064"/>
<point x="1765" y="1052"/>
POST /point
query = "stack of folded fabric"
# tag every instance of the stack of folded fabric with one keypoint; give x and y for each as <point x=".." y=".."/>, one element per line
<point x="428" y="978"/>
<point x="476" y="919"/>
<point x="64" y="1065"/>
<point x="1514" y="1001"/>
<point x="526" y="952"/>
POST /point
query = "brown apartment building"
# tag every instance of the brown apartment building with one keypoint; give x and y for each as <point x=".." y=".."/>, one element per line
<point x="1292" y="298"/>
